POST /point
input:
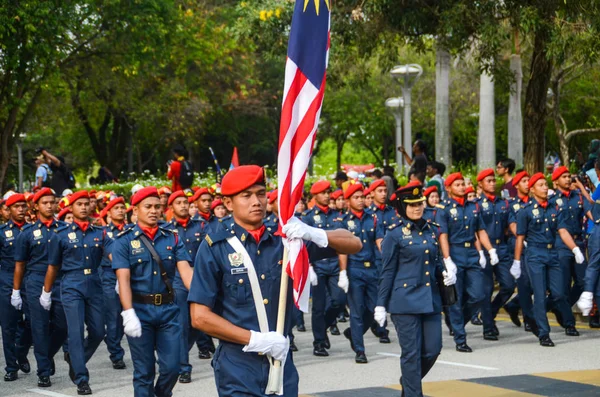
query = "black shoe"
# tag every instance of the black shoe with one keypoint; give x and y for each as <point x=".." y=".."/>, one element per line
<point x="514" y="316"/>
<point x="531" y="326"/>
<point x="527" y="327"/>
<point x="119" y="364"/>
<point x="495" y="330"/>
<point x="44" y="381"/>
<point x="185" y="377"/>
<point x="559" y="318"/>
<point x="334" y="330"/>
<point x="348" y="335"/>
<point x="546" y="341"/>
<point x="301" y="328"/>
<point x="327" y="343"/>
<point x="204" y="354"/>
<point x="341" y="319"/>
<point x="476" y="321"/>
<point x="361" y="358"/>
<point x="11" y="376"/>
<point x="490" y="335"/>
<point x="293" y="347"/>
<point x="320" y="351"/>
<point x="451" y="332"/>
<point x="52" y="368"/>
<point x="83" y="388"/>
<point x="595" y="321"/>
<point x="463" y="348"/>
<point x="24" y="366"/>
<point x="384" y="339"/>
<point x="374" y="329"/>
<point x="571" y="331"/>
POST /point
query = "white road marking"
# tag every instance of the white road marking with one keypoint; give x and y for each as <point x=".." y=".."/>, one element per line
<point x="47" y="393"/>
<point x="448" y="363"/>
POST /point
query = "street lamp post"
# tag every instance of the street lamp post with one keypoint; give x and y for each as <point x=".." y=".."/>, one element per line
<point x="407" y="76"/>
<point x="395" y="106"/>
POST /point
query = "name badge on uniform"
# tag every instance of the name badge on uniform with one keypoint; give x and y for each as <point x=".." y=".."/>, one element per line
<point x="236" y="259"/>
<point x="73" y="237"/>
<point x="239" y="270"/>
<point x="137" y="247"/>
<point x="406" y="232"/>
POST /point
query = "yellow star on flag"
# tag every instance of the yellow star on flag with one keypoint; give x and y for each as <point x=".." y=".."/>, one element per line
<point x="317" y="5"/>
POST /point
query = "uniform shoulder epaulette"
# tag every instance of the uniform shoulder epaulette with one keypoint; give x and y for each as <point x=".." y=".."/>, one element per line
<point x="397" y="222"/>
<point x="432" y="223"/>
<point x="124" y="231"/>
<point x="304" y="213"/>
<point x="27" y="226"/>
<point x="440" y="206"/>
<point x="63" y="227"/>
<point x="216" y="237"/>
<point x="3" y="226"/>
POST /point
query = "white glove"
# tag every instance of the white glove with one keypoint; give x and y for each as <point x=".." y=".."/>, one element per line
<point x="579" y="258"/>
<point x="271" y="343"/>
<point x="493" y="257"/>
<point x="515" y="269"/>
<point x="15" y="299"/>
<point x="450" y="265"/>
<point x="585" y="303"/>
<point x="312" y="276"/>
<point x="46" y="299"/>
<point x="117" y="287"/>
<point x="449" y="278"/>
<point x="482" y="261"/>
<point x="295" y="228"/>
<point x="380" y="315"/>
<point x="524" y="243"/>
<point x="131" y="323"/>
<point x="343" y="281"/>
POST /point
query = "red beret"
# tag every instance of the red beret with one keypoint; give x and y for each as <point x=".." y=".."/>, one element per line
<point x="518" y="177"/>
<point x="216" y="203"/>
<point x="350" y="190"/>
<point x="144" y="193"/>
<point x="558" y="172"/>
<point x="79" y="195"/>
<point x="320" y="187"/>
<point x="453" y="177"/>
<point x="273" y="196"/>
<point x="15" y="198"/>
<point x="430" y="190"/>
<point x="164" y="190"/>
<point x="113" y="202"/>
<point x="376" y="184"/>
<point x="335" y="195"/>
<point x="92" y="192"/>
<point x="469" y="190"/>
<point x="103" y="213"/>
<point x="412" y="184"/>
<point x="535" y="178"/>
<point x="46" y="191"/>
<point x="179" y="193"/>
<point x="367" y="191"/>
<point x="241" y="178"/>
<point x="63" y="212"/>
<point x="485" y="173"/>
<point x="198" y="193"/>
<point x="393" y="197"/>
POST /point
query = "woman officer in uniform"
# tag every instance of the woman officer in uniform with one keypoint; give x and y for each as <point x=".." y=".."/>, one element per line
<point x="408" y="288"/>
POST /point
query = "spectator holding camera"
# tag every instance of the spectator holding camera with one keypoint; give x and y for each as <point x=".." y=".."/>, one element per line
<point x="59" y="178"/>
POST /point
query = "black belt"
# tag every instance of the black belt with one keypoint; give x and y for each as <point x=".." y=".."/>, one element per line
<point x="467" y="244"/>
<point x="153" y="299"/>
<point x="541" y="245"/>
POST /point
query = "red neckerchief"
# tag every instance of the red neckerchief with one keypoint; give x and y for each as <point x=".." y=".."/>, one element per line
<point x="490" y="197"/>
<point x="565" y="193"/>
<point x="82" y="225"/>
<point x="204" y="215"/>
<point x="183" y="222"/>
<point x="460" y="200"/>
<point x="257" y="233"/>
<point x="119" y="226"/>
<point x="524" y="199"/>
<point x="325" y="209"/>
<point x="359" y="215"/>
<point x="149" y="231"/>
<point x="544" y="204"/>
<point x="48" y="223"/>
<point x="381" y="207"/>
<point x="19" y="225"/>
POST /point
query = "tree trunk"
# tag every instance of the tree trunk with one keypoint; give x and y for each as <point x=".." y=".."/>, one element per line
<point x="339" y="146"/>
<point x="534" y="123"/>
<point x="486" y="139"/>
<point x="443" y="138"/>
<point x="515" y="116"/>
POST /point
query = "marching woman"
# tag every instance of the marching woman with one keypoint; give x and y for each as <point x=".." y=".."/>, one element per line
<point x="432" y="198"/>
<point x="409" y="289"/>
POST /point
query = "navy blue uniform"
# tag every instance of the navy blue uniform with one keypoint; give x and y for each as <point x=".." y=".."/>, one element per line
<point x="362" y="274"/>
<point x="221" y="283"/>
<point x="494" y="213"/>
<point x="161" y="331"/>
<point x="540" y="227"/>
<point x="48" y="328"/>
<point x="16" y="335"/>
<point x="409" y="291"/>
<point x="79" y="253"/>
<point x="430" y="213"/>
<point x="592" y="272"/>
<point x="328" y="299"/>
<point x="460" y="222"/>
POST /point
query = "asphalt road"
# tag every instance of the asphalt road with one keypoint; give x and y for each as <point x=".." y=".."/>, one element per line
<point x="516" y="353"/>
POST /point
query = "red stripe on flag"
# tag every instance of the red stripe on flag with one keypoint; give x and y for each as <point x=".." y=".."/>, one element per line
<point x="291" y="97"/>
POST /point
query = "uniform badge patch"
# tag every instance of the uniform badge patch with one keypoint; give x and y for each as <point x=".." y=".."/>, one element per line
<point x="453" y="211"/>
<point x="37" y="233"/>
<point x="406" y="231"/>
<point x="317" y="218"/>
<point x="351" y="225"/>
<point x="72" y="236"/>
<point x="135" y="244"/>
<point x="8" y="233"/>
<point x="236" y="259"/>
<point x="485" y="205"/>
<point x="559" y="202"/>
<point x="516" y="207"/>
<point x="535" y="212"/>
<point x="109" y="234"/>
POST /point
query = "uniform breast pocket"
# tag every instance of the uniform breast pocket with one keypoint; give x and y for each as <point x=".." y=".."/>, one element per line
<point x="238" y="289"/>
<point x="140" y="265"/>
<point x="406" y="283"/>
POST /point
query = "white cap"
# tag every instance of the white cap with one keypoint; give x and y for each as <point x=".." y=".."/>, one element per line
<point x="353" y="174"/>
<point x="135" y="188"/>
<point x="66" y="192"/>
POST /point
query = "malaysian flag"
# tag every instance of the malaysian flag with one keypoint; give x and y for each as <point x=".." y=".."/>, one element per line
<point x="305" y="71"/>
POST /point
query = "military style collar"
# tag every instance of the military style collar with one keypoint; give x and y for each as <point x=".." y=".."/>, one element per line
<point x="11" y="224"/>
<point x="245" y="235"/>
<point x="39" y="224"/>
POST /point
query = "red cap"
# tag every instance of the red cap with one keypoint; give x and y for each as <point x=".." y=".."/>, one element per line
<point x="15" y="198"/>
<point x="144" y="193"/>
<point x="350" y="190"/>
<point x="367" y="191"/>
<point x="113" y="202"/>
<point x="92" y="192"/>
<point x="103" y="213"/>
<point x="320" y="187"/>
<point x="79" y="195"/>
<point x="453" y="177"/>
<point x="335" y="195"/>
<point x="273" y="196"/>
<point x="63" y="212"/>
<point x="376" y="184"/>
<point x="241" y="178"/>
<point x="413" y="184"/>
<point x="164" y="190"/>
<point x="198" y="193"/>
<point x="393" y="197"/>
<point x="535" y="178"/>
<point x="484" y="174"/>
<point x="216" y="203"/>
<point x="469" y="190"/>
<point x="518" y="177"/>
<point x="179" y="193"/>
<point x="558" y="172"/>
<point x="46" y="191"/>
<point x="430" y="190"/>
